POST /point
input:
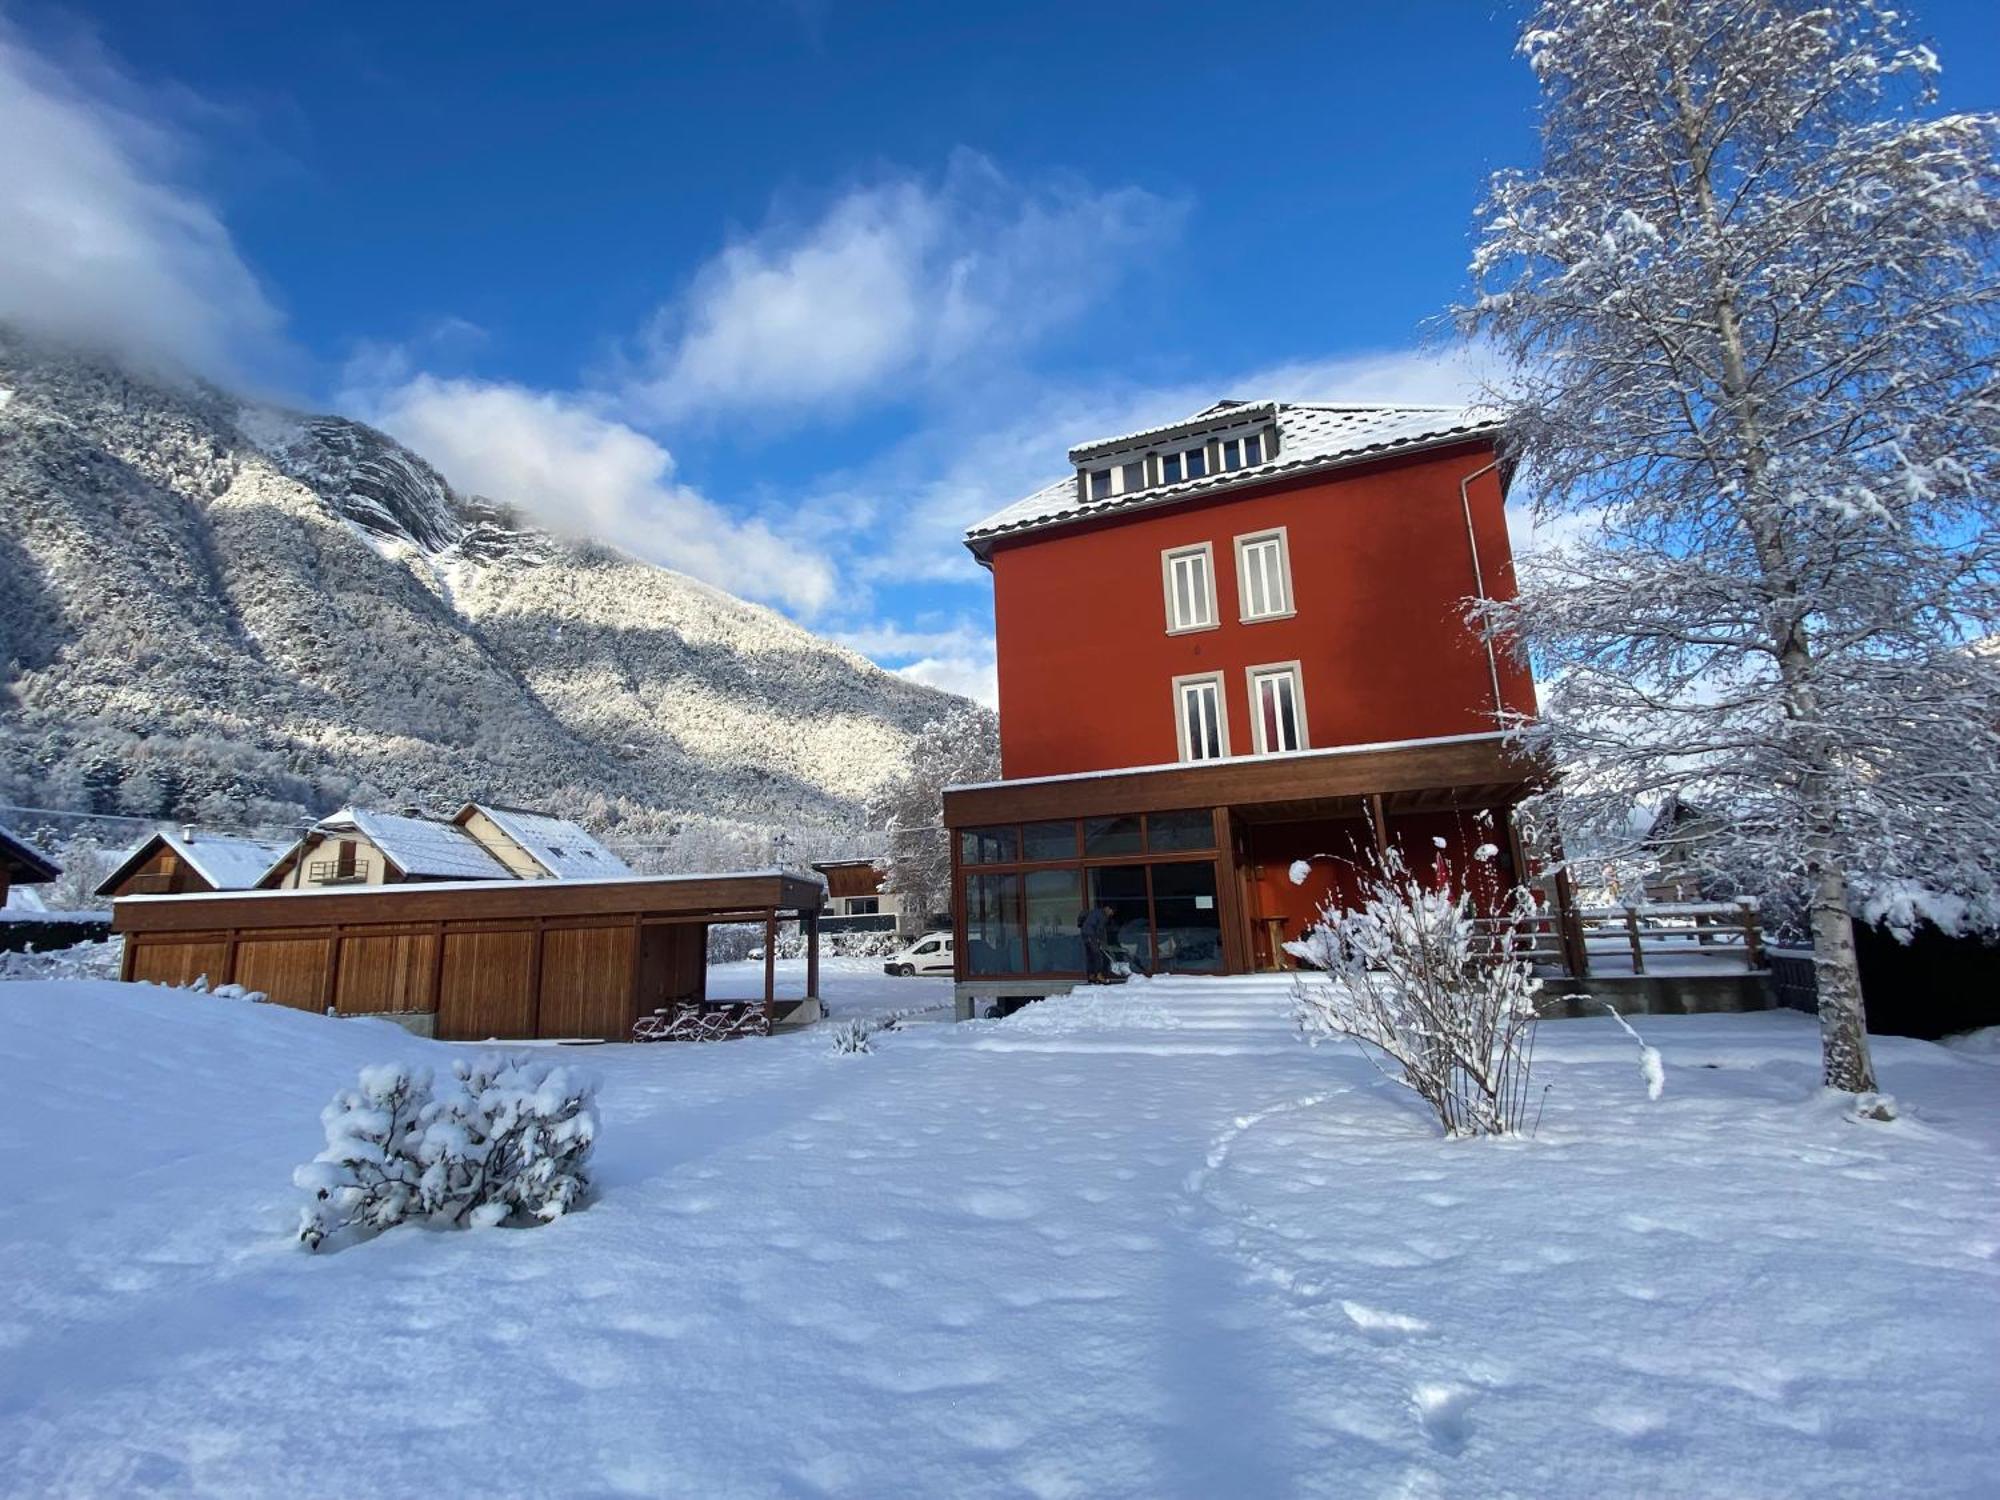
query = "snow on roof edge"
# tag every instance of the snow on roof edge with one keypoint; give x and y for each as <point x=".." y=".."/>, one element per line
<point x="1185" y="765"/>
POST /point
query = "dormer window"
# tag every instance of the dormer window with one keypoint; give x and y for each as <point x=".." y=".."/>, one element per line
<point x="1103" y="476"/>
<point x="1243" y="453"/>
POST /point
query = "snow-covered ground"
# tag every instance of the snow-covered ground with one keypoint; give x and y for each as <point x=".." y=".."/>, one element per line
<point x="1139" y="1243"/>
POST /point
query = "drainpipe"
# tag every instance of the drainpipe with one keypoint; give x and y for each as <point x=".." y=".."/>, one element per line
<point x="1479" y="580"/>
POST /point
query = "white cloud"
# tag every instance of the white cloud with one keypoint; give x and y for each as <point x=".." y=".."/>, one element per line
<point x="974" y="677"/>
<point x="99" y="245"/>
<point x="893" y="282"/>
<point x="586" y="474"/>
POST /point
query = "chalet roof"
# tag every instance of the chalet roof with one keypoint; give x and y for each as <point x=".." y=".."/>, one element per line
<point x="227" y="861"/>
<point x="1311" y="436"/>
<point x="420" y="846"/>
<point x="22" y="862"/>
<point x="558" y="845"/>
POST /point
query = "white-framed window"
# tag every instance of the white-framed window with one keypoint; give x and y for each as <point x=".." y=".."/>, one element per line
<point x="1100" y="484"/>
<point x="1201" y="718"/>
<point x="1196" y="465"/>
<point x="1132" y="476"/>
<point x="1189" y="576"/>
<point x="1278" y="708"/>
<point x="1264" y="575"/>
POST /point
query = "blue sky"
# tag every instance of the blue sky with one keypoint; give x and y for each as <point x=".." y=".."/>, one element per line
<point x="781" y="294"/>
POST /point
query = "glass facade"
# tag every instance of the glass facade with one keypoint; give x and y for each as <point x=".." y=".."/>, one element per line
<point x="1046" y="841"/>
<point x="993" y="936"/>
<point x="1155" y="872"/>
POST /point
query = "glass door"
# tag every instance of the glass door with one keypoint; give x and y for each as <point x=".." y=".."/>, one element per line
<point x="1187" y="919"/>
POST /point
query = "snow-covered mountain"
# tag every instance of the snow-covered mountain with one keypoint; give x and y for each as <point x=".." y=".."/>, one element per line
<point x="223" y="610"/>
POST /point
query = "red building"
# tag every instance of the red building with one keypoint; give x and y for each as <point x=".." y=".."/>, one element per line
<point x="1227" y="645"/>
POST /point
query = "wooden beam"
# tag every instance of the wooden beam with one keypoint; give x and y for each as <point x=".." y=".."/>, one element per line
<point x="1379" y="816"/>
<point x="1483" y="761"/>
<point x="809" y="926"/>
<point x="420" y="902"/>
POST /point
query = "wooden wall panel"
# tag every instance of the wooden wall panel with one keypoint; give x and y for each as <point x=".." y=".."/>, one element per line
<point x="673" y="965"/>
<point x="292" y="971"/>
<point x="487" y="986"/>
<point x="385" y="973"/>
<point x="155" y="962"/>
<point x="587" y="983"/>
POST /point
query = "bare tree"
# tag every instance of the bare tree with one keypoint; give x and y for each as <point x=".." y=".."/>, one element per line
<point x="959" y="749"/>
<point x="1751" y="297"/>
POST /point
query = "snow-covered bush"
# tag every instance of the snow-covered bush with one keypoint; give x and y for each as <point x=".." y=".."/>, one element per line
<point x="509" y="1140"/>
<point x="512" y="1142"/>
<point x="1416" y="976"/>
<point x="850" y="1038"/>
<point x="369" y="1176"/>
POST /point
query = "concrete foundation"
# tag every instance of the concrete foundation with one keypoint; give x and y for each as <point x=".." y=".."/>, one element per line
<point x="1658" y="994"/>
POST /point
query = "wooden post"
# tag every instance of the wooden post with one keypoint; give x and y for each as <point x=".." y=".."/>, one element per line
<point x="1379" y="816"/>
<point x="1632" y="932"/>
<point x="770" y="960"/>
<point x="809" y="927"/>
<point x="1753" y="934"/>
<point x="1238" y="946"/>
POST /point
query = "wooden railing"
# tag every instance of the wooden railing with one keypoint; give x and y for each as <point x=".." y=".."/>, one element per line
<point x="1672" y="936"/>
<point x="333" y="872"/>
<point x="1675" y="937"/>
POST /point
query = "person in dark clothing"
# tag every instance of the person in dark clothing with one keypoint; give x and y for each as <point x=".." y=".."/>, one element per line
<point x="1095" y="928"/>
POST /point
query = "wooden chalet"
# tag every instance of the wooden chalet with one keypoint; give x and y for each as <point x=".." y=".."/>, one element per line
<point x="471" y="960"/>
<point x="856" y="901"/>
<point x="190" y="861"/>
<point x="21" y="863"/>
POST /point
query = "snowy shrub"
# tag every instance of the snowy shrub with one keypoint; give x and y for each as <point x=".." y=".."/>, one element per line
<point x="1415" y="976"/>
<point x="508" y="1141"/>
<point x="369" y="1174"/>
<point x="851" y="1038"/>
<point x="511" y="1143"/>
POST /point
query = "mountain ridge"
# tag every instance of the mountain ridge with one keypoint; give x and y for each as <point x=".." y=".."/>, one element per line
<point x="223" y="609"/>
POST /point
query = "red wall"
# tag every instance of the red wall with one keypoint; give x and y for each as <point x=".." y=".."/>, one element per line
<point x="1380" y="567"/>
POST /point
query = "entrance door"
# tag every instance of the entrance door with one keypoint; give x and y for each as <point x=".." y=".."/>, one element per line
<point x="1187" y="919"/>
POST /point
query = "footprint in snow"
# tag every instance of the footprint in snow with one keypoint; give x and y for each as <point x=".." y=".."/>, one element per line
<point x="1443" y="1411"/>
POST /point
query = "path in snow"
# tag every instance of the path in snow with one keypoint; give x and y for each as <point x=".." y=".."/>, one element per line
<point x="1142" y="1242"/>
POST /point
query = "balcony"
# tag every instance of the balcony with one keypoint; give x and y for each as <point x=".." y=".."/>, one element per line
<point x="337" y="872"/>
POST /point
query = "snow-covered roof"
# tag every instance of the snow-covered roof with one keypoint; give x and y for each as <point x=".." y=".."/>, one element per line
<point x="420" y="846"/>
<point x="559" y="846"/>
<point x="477" y="883"/>
<point x="226" y="861"/>
<point x="1311" y="435"/>
<point x="22" y="862"/>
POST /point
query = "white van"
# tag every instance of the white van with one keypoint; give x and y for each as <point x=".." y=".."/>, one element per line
<point x="929" y="954"/>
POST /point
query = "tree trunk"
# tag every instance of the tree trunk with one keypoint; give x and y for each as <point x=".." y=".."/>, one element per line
<point x="1843" y="1031"/>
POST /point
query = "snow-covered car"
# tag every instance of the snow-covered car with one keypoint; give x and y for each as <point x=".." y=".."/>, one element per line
<point x="929" y="954"/>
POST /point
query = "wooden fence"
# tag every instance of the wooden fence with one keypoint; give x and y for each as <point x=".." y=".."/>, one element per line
<point x="1664" y="938"/>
